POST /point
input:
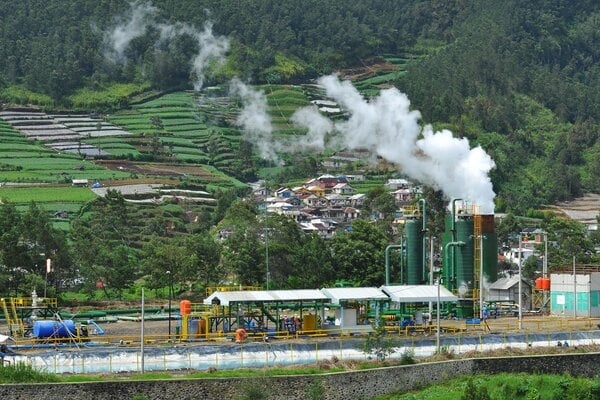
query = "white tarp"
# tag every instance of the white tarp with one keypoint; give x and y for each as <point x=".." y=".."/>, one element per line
<point x="338" y="295"/>
<point x="418" y="293"/>
<point x="4" y="339"/>
<point x="266" y="296"/>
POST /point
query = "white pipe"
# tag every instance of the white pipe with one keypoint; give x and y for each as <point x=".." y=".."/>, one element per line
<point x="574" y="289"/>
<point x="481" y="277"/>
<point x="520" y="285"/>
<point x="142" y="335"/>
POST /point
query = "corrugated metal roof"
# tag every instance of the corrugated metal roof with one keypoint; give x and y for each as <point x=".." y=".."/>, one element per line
<point x="362" y="293"/>
<point x="506" y="283"/>
<point x="417" y="293"/>
<point x="266" y="296"/>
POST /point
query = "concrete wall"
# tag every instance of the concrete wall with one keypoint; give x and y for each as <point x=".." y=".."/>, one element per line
<point x="337" y="386"/>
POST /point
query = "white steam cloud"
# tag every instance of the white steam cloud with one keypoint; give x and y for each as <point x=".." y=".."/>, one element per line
<point x="131" y="26"/>
<point x="388" y="128"/>
<point x="255" y="118"/>
<point x="142" y="15"/>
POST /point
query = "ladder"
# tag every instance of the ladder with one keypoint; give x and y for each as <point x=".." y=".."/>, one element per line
<point x="15" y="324"/>
<point x="477" y="279"/>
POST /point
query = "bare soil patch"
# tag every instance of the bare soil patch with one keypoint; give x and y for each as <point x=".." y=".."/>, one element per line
<point x="583" y="209"/>
<point x="156" y="169"/>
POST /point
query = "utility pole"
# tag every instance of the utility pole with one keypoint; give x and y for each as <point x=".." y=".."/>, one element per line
<point x="520" y="280"/>
<point x="170" y="297"/>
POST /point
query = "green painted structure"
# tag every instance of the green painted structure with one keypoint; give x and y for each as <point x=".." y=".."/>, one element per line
<point x="414" y="251"/>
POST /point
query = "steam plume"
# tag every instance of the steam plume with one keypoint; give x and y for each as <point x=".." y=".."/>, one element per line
<point x="255" y="119"/>
<point x="387" y="127"/>
<point x="141" y="15"/>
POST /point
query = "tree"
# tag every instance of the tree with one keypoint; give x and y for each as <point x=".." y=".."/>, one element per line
<point x="12" y="250"/>
<point x="160" y="255"/>
<point x="102" y="248"/>
<point x="243" y="255"/>
<point x="203" y="256"/>
<point x="284" y="240"/>
<point x="314" y="265"/>
<point x="378" y="342"/>
<point x="359" y="255"/>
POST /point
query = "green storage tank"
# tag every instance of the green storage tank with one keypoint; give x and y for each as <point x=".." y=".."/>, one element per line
<point x="414" y="252"/>
<point x="464" y="255"/>
<point x="490" y="257"/>
<point x="490" y="247"/>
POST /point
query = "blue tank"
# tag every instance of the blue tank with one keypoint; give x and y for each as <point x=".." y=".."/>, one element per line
<point x="51" y="328"/>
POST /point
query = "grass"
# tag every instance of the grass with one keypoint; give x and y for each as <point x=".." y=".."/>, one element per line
<point x="507" y="386"/>
<point x="20" y="95"/>
<point x="43" y="194"/>
<point x="112" y="96"/>
<point x="24" y="373"/>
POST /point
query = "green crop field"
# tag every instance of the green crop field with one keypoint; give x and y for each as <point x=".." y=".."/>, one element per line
<point x="45" y="194"/>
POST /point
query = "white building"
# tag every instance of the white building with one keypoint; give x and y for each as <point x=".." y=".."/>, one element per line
<point x="584" y="286"/>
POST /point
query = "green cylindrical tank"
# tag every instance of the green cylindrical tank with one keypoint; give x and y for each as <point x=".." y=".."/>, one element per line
<point x="490" y="257"/>
<point x="490" y="248"/>
<point x="448" y="262"/>
<point x="414" y="252"/>
<point x="464" y="255"/>
<point x="447" y="269"/>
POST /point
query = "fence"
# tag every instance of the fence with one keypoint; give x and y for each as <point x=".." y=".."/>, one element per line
<point x="203" y="355"/>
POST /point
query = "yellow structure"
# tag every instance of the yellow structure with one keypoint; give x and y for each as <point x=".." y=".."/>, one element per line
<point x="15" y="308"/>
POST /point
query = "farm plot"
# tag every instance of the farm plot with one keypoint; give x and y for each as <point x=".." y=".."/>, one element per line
<point x="46" y="194"/>
<point x="23" y="160"/>
<point x="64" y="133"/>
<point x="177" y="122"/>
<point x="173" y="173"/>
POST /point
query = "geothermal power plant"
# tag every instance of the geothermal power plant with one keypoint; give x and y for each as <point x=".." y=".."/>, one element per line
<point x="469" y="255"/>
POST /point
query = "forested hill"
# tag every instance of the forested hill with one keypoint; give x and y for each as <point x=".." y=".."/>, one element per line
<point x="521" y="78"/>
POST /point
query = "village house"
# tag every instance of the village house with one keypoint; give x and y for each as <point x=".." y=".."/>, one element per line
<point x="395" y="184"/>
<point x="283" y="193"/>
<point x="80" y="182"/>
<point x="402" y="196"/>
<point x="317" y="190"/>
<point x="336" y="200"/>
<point x="261" y="193"/>
<point x="334" y="213"/>
<point x="355" y="178"/>
<point x="357" y="200"/>
<point x="325" y="228"/>
<point x="350" y="214"/>
<point x="343" y="189"/>
<point x="315" y="201"/>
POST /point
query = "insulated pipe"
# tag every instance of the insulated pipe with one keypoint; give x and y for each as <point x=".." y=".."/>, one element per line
<point x="387" y="261"/>
<point x="453" y="229"/>
<point x="423" y="238"/>
<point x="437" y="335"/>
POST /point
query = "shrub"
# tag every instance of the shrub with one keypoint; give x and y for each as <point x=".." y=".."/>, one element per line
<point x="24" y="373"/>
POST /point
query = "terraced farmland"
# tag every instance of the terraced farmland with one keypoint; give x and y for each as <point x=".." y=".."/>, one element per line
<point x="27" y="161"/>
<point x="370" y="80"/>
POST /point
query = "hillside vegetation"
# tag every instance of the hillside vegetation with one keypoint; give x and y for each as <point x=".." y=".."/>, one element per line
<point x="521" y="79"/>
<point x="144" y="91"/>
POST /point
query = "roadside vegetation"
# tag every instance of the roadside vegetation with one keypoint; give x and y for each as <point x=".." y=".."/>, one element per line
<point x="530" y="103"/>
<point x="507" y="386"/>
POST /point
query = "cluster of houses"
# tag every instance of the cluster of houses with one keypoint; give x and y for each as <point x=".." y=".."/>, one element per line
<point x="327" y="203"/>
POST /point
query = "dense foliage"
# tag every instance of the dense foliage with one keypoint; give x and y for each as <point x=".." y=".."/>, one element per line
<point x="520" y="78"/>
<point x="507" y="386"/>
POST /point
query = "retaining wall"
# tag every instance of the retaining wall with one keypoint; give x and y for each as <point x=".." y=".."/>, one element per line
<point x="336" y="386"/>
